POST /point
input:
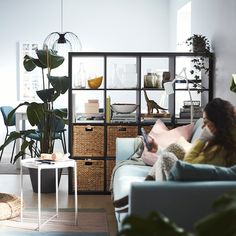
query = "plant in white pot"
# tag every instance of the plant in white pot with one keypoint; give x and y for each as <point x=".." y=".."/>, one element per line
<point x="41" y="114"/>
<point x="199" y="43"/>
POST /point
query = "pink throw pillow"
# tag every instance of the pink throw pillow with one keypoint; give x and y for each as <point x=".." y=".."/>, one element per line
<point x="164" y="137"/>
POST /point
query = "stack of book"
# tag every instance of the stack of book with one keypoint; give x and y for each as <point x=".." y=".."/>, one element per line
<point x="90" y="117"/>
<point x="123" y="118"/>
<point x="185" y="111"/>
<point x="152" y="118"/>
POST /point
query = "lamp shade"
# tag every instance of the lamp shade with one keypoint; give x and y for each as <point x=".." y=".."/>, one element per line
<point x="168" y="86"/>
<point x="67" y="41"/>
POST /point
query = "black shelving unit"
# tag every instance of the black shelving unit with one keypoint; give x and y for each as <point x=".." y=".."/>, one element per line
<point x="167" y="61"/>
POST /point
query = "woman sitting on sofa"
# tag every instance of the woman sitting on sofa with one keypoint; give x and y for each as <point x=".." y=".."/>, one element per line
<point x="216" y="144"/>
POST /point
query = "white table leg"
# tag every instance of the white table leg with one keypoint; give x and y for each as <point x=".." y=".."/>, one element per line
<point x="39" y="197"/>
<point x="21" y="194"/>
<point x="76" y="197"/>
<point x="56" y="171"/>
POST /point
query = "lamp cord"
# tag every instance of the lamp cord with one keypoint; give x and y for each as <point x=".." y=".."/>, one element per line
<point x="61" y="16"/>
<point x="190" y="95"/>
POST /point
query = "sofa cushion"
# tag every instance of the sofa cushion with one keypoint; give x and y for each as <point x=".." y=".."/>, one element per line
<point x="197" y="130"/>
<point x="125" y="175"/>
<point x="183" y="171"/>
<point x="164" y="137"/>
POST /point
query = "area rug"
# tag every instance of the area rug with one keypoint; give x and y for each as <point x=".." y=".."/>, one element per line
<point x="91" y="222"/>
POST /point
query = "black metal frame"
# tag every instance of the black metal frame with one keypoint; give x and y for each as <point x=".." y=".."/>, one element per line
<point x="139" y="56"/>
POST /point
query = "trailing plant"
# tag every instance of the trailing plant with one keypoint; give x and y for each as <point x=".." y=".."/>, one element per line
<point x="199" y="44"/>
<point x="41" y="114"/>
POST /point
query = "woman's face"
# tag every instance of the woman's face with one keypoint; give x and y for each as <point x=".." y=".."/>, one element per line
<point x="208" y="123"/>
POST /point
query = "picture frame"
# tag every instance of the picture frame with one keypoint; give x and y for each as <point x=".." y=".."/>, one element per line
<point x="27" y="82"/>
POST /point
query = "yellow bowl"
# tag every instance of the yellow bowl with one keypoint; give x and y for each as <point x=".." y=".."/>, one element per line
<point x="95" y="83"/>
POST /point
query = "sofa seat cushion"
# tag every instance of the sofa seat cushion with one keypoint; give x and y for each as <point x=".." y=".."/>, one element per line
<point x="124" y="176"/>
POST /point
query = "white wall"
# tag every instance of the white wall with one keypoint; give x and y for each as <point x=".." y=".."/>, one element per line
<point x="216" y="19"/>
<point x="173" y="9"/>
<point x="115" y="25"/>
<point x="102" y="25"/>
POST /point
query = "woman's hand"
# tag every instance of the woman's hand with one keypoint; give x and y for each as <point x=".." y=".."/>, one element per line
<point x="206" y="134"/>
<point x="153" y="144"/>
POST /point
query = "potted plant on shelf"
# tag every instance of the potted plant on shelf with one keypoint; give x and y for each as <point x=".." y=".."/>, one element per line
<point x="199" y="44"/>
<point x="41" y="114"/>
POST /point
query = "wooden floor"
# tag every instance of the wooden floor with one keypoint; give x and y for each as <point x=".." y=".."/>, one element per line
<point x="11" y="184"/>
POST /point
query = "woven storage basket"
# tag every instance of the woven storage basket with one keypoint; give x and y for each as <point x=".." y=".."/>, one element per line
<point x="9" y="206"/>
<point x="90" y="175"/>
<point x="88" y="141"/>
<point x="114" y="132"/>
<point x="110" y="164"/>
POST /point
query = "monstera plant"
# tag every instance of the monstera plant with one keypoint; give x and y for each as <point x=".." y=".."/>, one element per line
<point x="41" y="114"/>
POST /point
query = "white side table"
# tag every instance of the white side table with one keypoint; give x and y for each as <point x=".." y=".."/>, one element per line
<point x="31" y="163"/>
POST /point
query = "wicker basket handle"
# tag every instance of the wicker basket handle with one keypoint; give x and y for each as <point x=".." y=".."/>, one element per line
<point x="89" y="128"/>
<point x="122" y="129"/>
<point x="88" y="163"/>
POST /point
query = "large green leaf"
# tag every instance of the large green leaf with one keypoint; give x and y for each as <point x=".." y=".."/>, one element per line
<point x="59" y="83"/>
<point x="31" y="63"/>
<point x="12" y="113"/>
<point x="154" y="224"/>
<point x="222" y="221"/>
<point x="35" y="113"/>
<point x="13" y="136"/>
<point x="47" y="95"/>
<point x="50" y="58"/>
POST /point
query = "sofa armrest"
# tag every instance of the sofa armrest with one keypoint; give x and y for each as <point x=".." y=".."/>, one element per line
<point x="125" y="147"/>
<point x="182" y="202"/>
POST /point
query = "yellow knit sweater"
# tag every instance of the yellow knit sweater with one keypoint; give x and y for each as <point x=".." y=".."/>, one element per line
<point x="214" y="155"/>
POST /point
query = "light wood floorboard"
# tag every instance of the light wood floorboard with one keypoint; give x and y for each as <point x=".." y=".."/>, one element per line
<point x="11" y="184"/>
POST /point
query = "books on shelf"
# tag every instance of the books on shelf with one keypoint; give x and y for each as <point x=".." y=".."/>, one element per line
<point x="108" y="109"/>
<point x="152" y="118"/>
<point x="124" y="118"/>
<point x="184" y="120"/>
<point x="90" y="117"/>
<point x="185" y="111"/>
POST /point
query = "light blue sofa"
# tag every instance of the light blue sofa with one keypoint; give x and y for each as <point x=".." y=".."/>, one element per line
<point x="183" y="202"/>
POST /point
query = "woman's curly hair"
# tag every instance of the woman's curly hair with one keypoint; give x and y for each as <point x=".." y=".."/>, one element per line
<point x="222" y="114"/>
